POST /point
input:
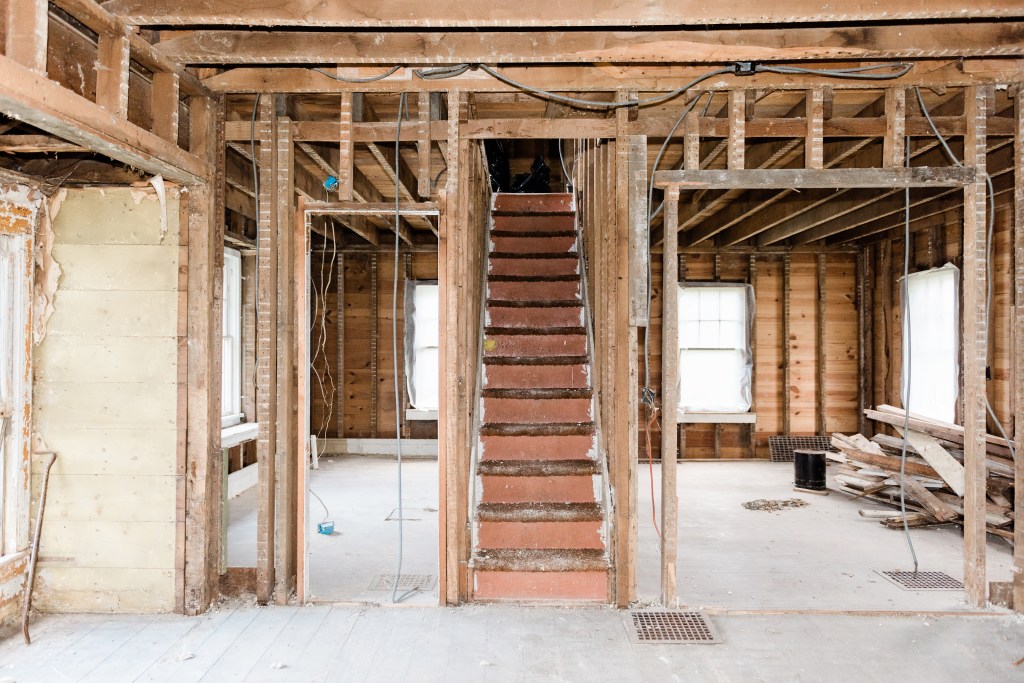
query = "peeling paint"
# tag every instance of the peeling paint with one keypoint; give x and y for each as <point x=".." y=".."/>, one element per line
<point x="48" y="271"/>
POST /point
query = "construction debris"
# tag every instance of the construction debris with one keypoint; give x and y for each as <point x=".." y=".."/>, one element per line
<point x="933" y="475"/>
<point x="775" y="505"/>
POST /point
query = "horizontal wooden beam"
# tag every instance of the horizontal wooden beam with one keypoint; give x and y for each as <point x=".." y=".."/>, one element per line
<point x="45" y="104"/>
<point x="579" y="78"/>
<point x="785" y="178"/>
<point x="33" y="144"/>
<point x="373" y="208"/>
<point x="540" y="13"/>
<point x="983" y="39"/>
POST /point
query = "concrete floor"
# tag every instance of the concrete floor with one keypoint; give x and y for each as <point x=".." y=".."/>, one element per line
<point x="823" y="556"/>
<point x="505" y="643"/>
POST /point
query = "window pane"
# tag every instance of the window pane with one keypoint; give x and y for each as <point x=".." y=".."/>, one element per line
<point x="932" y="355"/>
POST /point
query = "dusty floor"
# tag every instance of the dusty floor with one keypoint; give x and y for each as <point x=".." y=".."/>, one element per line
<point x="499" y="643"/>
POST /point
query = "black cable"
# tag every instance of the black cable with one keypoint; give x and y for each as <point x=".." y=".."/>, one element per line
<point x="367" y="79"/>
<point x="256" y="199"/>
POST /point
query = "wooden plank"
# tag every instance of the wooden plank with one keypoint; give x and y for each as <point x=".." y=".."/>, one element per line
<point x="947" y="467"/>
<point x="1018" y="351"/>
<point x="814" y="149"/>
<point x="975" y="353"/>
<point x="43" y="103"/>
<point x="537" y="13"/>
<point x="346" y="147"/>
<point x="737" y="129"/>
<point x="166" y="88"/>
<point x="894" y="144"/>
<point x="691" y="143"/>
<point x="112" y="73"/>
<point x="423" y="178"/>
<point x="787" y="288"/>
<point x="926" y="499"/>
<point x="26" y="33"/>
<point x="445" y="412"/>
<point x="669" y="400"/>
<point x="683" y="45"/>
<point x="639" y="239"/>
<point x="787" y="178"/>
<point x="819" y="348"/>
<point x="301" y="283"/>
<point x="373" y="208"/>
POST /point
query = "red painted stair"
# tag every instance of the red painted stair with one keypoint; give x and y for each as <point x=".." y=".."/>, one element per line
<point x="539" y="523"/>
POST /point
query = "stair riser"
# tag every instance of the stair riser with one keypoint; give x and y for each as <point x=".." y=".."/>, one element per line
<point x="533" y="202"/>
<point x="536" y="377"/>
<point x="534" y="267"/>
<point x="540" y="535"/>
<point x="533" y="245"/>
<point x="529" y="223"/>
<point x="516" y="345"/>
<point x="570" y="489"/>
<point x="555" y="316"/>
<point x="537" y="447"/>
<point x="536" y="411"/>
<point x="569" y="586"/>
<point x="534" y="291"/>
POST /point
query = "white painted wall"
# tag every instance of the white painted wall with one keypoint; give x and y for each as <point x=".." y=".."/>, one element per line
<point x="106" y="401"/>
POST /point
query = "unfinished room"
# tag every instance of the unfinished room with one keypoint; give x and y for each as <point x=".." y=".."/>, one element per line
<point x="546" y="340"/>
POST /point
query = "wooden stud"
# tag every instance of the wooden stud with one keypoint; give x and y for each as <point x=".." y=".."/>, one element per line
<point x="165" y="105"/>
<point x="819" y="364"/>
<point x="814" y="149"/>
<point x="423" y="147"/>
<point x="266" y="350"/>
<point x="786" y="343"/>
<point x="670" y="398"/>
<point x="346" y="147"/>
<point x="752" y="279"/>
<point x="894" y="143"/>
<point x="112" y="74"/>
<point x="865" y="314"/>
<point x="374" y="342"/>
<point x="26" y="33"/>
<point x="1018" y="351"/>
<point x="803" y="178"/>
<point x="737" y="129"/>
<point x="301" y="282"/>
<point x="975" y="334"/>
<point x="339" y="394"/>
<point x="639" y="241"/>
<point x="691" y="142"/>
<point x="886" y="276"/>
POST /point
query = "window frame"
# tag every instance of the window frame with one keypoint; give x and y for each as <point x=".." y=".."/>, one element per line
<point x="747" y="327"/>
<point x="411" y="350"/>
<point x="952" y="369"/>
<point x="231" y="339"/>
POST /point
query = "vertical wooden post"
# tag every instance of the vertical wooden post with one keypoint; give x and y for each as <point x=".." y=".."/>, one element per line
<point x="287" y="372"/>
<point x="737" y="128"/>
<point x="445" y="582"/>
<point x="786" y="342"/>
<point x="865" y="314"/>
<point x="112" y="74"/>
<point x="975" y="347"/>
<point x="27" y="33"/>
<point x="752" y="279"/>
<point x="1018" y="350"/>
<point x="819" y="361"/>
<point x="266" y="350"/>
<point x="203" y="457"/>
<point x="691" y="141"/>
<point x="374" y="339"/>
<point x="814" y="148"/>
<point x="670" y="397"/>
<point x="300" y="460"/>
<point x="423" y="145"/>
<point x="339" y="394"/>
<point x="885" y="301"/>
<point x="639" y="243"/>
<point x="346" y="147"/>
<point x="894" y="143"/>
<point x="164" y="105"/>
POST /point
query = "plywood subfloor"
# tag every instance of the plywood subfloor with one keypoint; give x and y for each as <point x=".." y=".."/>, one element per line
<point x="818" y="557"/>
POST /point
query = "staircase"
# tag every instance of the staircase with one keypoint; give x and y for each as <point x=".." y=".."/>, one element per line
<point x="539" y="521"/>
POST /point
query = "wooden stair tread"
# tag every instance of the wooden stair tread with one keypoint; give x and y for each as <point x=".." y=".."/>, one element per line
<point x="533" y="331"/>
<point x="537" y="468"/>
<point x="526" y="560"/>
<point x="534" y="303"/>
<point x="551" y="429"/>
<point x="538" y="394"/>
<point x="536" y="360"/>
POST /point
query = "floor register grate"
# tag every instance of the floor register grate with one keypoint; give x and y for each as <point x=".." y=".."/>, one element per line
<point x="923" y="581"/>
<point x="407" y="582"/>
<point x="665" y="627"/>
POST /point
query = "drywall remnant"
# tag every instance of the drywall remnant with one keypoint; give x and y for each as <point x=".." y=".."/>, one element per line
<point x="48" y="271"/>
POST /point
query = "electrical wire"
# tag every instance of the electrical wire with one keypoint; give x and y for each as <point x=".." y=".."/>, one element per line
<point x="367" y="79"/>
<point x="256" y="199"/>
<point x="864" y="73"/>
<point x="395" y="598"/>
<point x="988" y="255"/>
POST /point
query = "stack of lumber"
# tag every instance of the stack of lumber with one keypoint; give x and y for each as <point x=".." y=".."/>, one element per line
<point x="934" y="484"/>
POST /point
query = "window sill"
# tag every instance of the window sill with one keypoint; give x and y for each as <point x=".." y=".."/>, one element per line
<point x="232" y="436"/>
<point x="715" y="418"/>
<point x="421" y="415"/>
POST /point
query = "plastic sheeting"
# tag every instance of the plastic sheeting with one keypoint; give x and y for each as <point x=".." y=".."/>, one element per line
<point x="422" y="330"/>
<point x="934" y="349"/>
<point x="715" y="363"/>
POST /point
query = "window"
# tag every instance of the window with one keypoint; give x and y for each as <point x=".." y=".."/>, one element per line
<point x="231" y="349"/>
<point x="932" y="354"/>
<point x="421" y="354"/>
<point x="714" y="348"/>
<point x="15" y="390"/>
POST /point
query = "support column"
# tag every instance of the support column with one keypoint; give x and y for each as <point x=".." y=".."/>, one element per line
<point x="1018" y="353"/>
<point x="975" y="337"/>
<point x="669" y="397"/>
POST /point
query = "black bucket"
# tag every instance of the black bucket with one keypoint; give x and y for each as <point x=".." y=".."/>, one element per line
<point x="809" y="470"/>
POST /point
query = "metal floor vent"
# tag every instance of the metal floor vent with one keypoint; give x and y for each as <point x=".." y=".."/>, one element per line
<point x="923" y="581"/>
<point x="672" y="627"/>
<point x="782" y="447"/>
<point x="406" y="582"/>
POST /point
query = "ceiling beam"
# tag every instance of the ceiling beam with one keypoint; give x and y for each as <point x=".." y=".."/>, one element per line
<point x="540" y="13"/>
<point x="984" y="39"/>
<point x="779" y="178"/>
